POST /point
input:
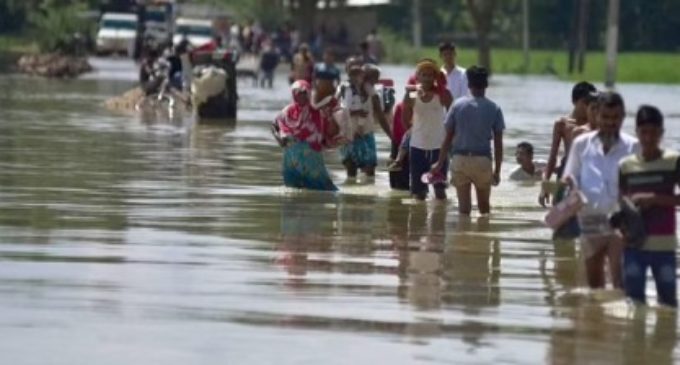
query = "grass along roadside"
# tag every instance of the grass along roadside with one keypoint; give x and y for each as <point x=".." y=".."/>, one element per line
<point x="17" y="44"/>
<point x="633" y="67"/>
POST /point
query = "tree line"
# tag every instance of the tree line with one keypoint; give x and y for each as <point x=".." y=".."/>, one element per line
<point x="646" y="25"/>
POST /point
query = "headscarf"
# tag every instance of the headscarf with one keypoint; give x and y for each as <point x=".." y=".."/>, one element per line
<point x="440" y="80"/>
<point x="412" y="80"/>
<point x="427" y="64"/>
<point x="302" y="121"/>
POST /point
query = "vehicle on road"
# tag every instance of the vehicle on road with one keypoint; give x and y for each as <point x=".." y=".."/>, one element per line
<point x="159" y="19"/>
<point x="197" y="31"/>
<point x="117" y="33"/>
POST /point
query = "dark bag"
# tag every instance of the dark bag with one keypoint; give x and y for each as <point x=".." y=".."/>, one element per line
<point x="630" y="222"/>
<point x="571" y="229"/>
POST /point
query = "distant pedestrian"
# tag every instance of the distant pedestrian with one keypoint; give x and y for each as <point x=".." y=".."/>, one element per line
<point x="302" y="67"/>
<point x="375" y="45"/>
<point x="269" y="61"/>
<point x="455" y="75"/>
<point x="365" y="55"/>
<point x="327" y="71"/>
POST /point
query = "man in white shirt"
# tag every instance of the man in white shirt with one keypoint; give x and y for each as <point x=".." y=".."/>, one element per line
<point x="592" y="167"/>
<point x="457" y="82"/>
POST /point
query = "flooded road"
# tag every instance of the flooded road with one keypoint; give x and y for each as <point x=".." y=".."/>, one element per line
<point x="124" y="241"/>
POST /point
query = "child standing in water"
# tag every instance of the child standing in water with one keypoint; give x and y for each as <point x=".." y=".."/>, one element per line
<point x="302" y="131"/>
<point x="424" y="111"/>
<point x="362" y="108"/>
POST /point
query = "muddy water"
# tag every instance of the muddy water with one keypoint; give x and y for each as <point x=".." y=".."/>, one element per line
<point x="128" y="241"/>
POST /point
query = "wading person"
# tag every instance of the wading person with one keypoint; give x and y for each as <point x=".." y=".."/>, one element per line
<point x="582" y="119"/>
<point x="327" y="70"/>
<point x="362" y="109"/>
<point x="302" y="67"/>
<point x="528" y="169"/>
<point x="470" y="125"/>
<point x="649" y="179"/>
<point x="399" y="177"/>
<point x="423" y="113"/>
<point x="398" y="165"/>
<point x="457" y="82"/>
<point x="302" y="131"/>
<point x="592" y="114"/>
<point x="269" y="61"/>
<point x="592" y="168"/>
<point x="563" y="132"/>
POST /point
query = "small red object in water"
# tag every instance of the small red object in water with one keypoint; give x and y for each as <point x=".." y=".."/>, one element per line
<point x="432" y="178"/>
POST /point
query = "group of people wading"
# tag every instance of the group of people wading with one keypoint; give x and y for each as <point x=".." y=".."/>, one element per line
<point x="444" y="110"/>
<point x="445" y="123"/>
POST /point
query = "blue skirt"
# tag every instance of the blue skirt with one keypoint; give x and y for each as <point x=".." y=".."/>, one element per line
<point x="361" y="152"/>
<point x="304" y="168"/>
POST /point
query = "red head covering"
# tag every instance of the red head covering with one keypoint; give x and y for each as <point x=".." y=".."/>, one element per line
<point x="412" y="80"/>
<point x="302" y="121"/>
<point x="300" y="86"/>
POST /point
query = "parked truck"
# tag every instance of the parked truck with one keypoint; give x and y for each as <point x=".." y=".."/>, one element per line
<point x="158" y="18"/>
<point x="117" y="33"/>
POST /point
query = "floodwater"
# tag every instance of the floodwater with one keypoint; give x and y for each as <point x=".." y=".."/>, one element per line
<point x="127" y="241"/>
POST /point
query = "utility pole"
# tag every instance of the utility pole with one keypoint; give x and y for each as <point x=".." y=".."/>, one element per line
<point x="525" y="34"/>
<point x="573" y="35"/>
<point x="612" y="42"/>
<point x="582" y="42"/>
<point x="417" y="25"/>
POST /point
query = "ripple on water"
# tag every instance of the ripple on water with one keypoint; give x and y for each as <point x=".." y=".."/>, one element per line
<point x="128" y="241"/>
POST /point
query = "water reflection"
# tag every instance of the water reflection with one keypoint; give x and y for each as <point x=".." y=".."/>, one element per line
<point x="426" y="240"/>
<point x="178" y="241"/>
<point x="630" y="335"/>
<point x="306" y="229"/>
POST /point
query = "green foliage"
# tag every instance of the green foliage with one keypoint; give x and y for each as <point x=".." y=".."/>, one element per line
<point x="637" y="67"/>
<point x="397" y="49"/>
<point x="267" y="12"/>
<point x="16" y="44"/>
<point x="55" y="23"/>
<point x="645" y="24"/>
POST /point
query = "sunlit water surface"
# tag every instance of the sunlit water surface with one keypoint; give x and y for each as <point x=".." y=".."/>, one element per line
<point x="128" y="241"/>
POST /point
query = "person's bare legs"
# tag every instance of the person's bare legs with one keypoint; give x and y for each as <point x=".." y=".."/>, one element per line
<point x="440" y="192"/>
<point x="369" y="171"/>
<point x="420" y="196"/>
<point x="401" y="156"/>
<point x="464" y="193"/>
<point x="615" y="258"/>
<point x="595" y="269"/>
<point x="351" y="168"/>
<point x="483" y="200"/>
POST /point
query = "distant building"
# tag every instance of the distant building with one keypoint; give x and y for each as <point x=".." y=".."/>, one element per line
<point x="344" y="24"/>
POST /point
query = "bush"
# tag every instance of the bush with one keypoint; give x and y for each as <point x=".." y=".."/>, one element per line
<point x="397" y="49"/>
<point x="54" y="26"/>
